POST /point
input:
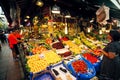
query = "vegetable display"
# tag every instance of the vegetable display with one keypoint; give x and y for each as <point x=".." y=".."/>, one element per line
<point x="38" y="49"/>
<point x="58" y="45"/>
<point x="79" y="66"/>
<point x="90" y="57"/>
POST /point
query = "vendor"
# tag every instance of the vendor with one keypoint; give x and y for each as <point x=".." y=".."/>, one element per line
<point x="110" y="66"/>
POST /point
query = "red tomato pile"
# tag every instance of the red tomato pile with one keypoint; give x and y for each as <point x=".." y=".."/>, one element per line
<point x="64" y="39"/>
<point x="80" y="66"/>
<point x="90" y="58"/>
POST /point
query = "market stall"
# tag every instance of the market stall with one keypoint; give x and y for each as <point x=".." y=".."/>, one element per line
<point x="46" y="57"/>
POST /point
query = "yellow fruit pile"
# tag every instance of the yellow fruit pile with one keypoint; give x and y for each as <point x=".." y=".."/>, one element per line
<point x="51" y="57"/>
<point x="37" y="63"/>
<point x="73" y="47"/>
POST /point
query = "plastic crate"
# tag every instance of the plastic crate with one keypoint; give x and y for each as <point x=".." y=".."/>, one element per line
<point x="43" y="75"/>
<point x="97" y="65"/>
<point x="61" y="75"/>
<point x="83" y="76"/>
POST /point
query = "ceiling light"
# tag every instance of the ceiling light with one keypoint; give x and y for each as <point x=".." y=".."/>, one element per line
<point x="116" y="3"/>
<point x="39" y="3"/>
<point x="28" y="17"/>
<point x="56" y="9"/>
<point x="67" y="14"/>
<point x="25" y="20"/>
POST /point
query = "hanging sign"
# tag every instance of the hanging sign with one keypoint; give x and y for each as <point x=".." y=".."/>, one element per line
<point x="102" y="14"/>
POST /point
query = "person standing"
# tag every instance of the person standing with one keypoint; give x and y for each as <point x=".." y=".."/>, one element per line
<point x="110" y="65"/>
<point x="12" y="39"/>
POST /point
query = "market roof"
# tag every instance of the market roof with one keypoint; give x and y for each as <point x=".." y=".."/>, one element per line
<point x="80" y="8"/>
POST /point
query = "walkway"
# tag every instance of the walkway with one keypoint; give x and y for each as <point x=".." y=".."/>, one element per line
<point x="9" y="69"/>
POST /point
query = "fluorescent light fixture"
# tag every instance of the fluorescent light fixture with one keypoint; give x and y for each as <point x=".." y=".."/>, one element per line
<point x="116" y="3"/>
<point x="67" y="14"/>
<point x="56" y="9"/>
<point x="55" y="12"/>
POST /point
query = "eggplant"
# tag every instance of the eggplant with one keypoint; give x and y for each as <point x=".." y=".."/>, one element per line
<point x="64" y="70"/>
<point x="56" y="72"/>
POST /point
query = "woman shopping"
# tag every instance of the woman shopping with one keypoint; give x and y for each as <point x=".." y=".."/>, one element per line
<point x="13" y="41"/>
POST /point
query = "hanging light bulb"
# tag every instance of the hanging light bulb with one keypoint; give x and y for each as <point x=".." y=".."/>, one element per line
<point x="55" y="9"/>
<point x="39" y="3"/>
<point x="28" y="17"/>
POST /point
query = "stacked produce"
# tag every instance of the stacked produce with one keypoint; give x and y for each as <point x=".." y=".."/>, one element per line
<point x="64" y="39"/>
<point x="64" y="52"/>
<point x="81" y="45"/>
<point x="57" y="45"/>
<point x="73" y="47"/>
<point x="38" y="49"/>
<point x="48" y="41"/>
<point x="39" y="62"/>
<point x="79" y="66"/>
<point x="77" y="41"/>
<point x="96" y="42"/>
<point x="50" y="51"/>
<point x="36" y="64"/>
<point x="93" y="44"/>
<point x="51" y="57"/>
<point x="87" y="42"/>
<point x="93" y="59"/>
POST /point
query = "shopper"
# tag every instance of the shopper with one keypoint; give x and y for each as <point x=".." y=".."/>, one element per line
<point x="12" y="39"/>
<point x="110" y="66"/>
<point x="18" y="35"/>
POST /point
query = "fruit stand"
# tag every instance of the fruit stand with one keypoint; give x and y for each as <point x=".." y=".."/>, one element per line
<point x="51" y="57"/>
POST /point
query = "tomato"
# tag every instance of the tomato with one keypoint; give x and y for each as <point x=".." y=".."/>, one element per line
<point x="90" y="57"/>
<point x="80" y="66"/>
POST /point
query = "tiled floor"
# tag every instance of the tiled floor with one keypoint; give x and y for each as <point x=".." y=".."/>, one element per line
<point x="9" y="69"/>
